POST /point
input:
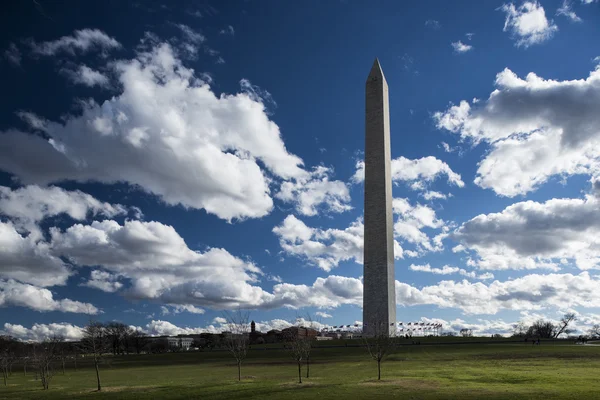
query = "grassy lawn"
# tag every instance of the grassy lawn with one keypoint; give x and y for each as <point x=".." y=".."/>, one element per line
<point x="466" y="371"/>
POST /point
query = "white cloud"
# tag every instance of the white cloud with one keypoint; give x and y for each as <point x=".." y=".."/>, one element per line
<point x="567" y="11"/>
<point x="448" y="270"/>
<point x="17" y="294"/>
<point x="323" y="314"/>
<point x="104" y="281"/>
<point x="179" y="308"/>
<point x="190" y="34"/>
<point x="41" y="332"/>
<point x="528" y="23"/>
<point x="460" y="47"/>
<point x="160" y="265"/>
<point x="323" y="248"/>
<point x="217" y="141"/>
<point x="529" y="235"/>
<point x="28" y="260"/>
<point x="314" y="191"/>
<point x="13" y="54"/>
<point x="87" y="76"/>
<point x="34" y="121"/>
<point x="420" y="171"/>
<point x="29" y="205"/>
<point x="166" y="328"/>
<point x="81" y="41"/>
<point x="537" y="128"/>
<point x="326" y="248"/>
<point x="329" y="292"/>
<point x="530" y="292"/>
<point x="432" y="195"/>
<point x="410" y="224"/>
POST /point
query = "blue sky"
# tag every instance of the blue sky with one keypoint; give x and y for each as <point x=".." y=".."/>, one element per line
<point x="161" y="164"/>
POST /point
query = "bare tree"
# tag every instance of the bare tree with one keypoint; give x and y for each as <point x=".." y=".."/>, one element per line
<point x="564" y="323"/>
<point x="595" y="331"/>
<point x="95" y="342"/>
<point x="44" y="355"/>
<point x="139" y="340"/>
<point x="519" y="329"/>
<point x="310" y="327"/>
<point x="7" y="356"/>
<point x="6" y="359"/>
<point x="118" y="335"/>
<point x="542" y="329"/>
<point x="238" y="336"/>
<point x="465" y="332"/>
<point x="379" y="343"/>
<point x="296" y="343"/>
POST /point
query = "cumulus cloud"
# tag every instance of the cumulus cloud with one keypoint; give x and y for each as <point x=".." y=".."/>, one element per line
<point x="530" y="292"/>
<point x="316" y="192"/>
<point x="566" y="10"/>
<point x="411" y="222"/>
<point x="160" y="265"/>
<point x="187" y="145"/>
<point x="104" y="281"/>
<point x="29" y="260"/>
<point x="433" y="195"/>
<point x="417" y="173"/>
<point x="87" y="76"/>
<point x="537" y="128"/>
<point x="18" y="294"/>
<point x="82" y="41"/>
<point x="460" y="47"/>
<point x="326" y="248"/>
<point x="529" y="235"/>
<point x="28" y="206"/>
<point x="329" y="292"/>
<point x="528" y="24"/>
<point x="41" y="332"/>
<point x="323" y="248"/>
<point x="180" y="308"/>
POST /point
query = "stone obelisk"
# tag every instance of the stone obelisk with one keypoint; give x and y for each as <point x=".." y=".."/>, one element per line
<point x="379" y="297"/>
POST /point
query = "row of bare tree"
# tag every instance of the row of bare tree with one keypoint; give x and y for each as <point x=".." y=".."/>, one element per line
<point x="43" y="357"/>
<point x="299" y="341"/>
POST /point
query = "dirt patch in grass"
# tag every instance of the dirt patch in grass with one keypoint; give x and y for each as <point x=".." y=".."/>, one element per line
<point x="403" y="383"/>
<point x="113" y="389"/>
<point x="300" y="385"/>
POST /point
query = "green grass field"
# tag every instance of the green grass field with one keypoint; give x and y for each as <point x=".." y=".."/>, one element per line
<point x="467" y="371"/>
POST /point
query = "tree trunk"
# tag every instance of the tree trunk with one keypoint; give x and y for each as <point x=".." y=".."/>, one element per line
<point x="299" y="372"/>
<point x="307" y="367"/>
<point x="63" y="365"/>
<point x="239" y="371"/>
<point x="75" y="360"/>
<point x="25" y="369"/>
<point x="4" y="375"/>
<point x="378" y="370"/>
<point x="97" y="375"/>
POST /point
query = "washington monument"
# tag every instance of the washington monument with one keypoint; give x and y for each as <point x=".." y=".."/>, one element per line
<point x="379" y="297"/>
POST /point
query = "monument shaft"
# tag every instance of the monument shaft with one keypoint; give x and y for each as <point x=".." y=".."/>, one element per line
<point x="379" y="297"/>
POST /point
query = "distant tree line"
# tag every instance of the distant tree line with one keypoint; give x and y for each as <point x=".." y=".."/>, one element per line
<point x="546" y="329"/>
